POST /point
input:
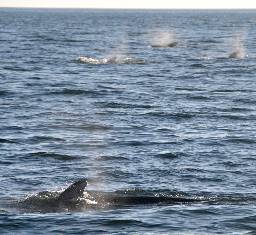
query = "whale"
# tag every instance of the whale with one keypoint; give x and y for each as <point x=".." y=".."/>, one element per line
<point x="47" y="201"/>
<point x="235" y="55"/>
<point x="76" y="198"/>
<point x="172" y="44"/>
<point x="238" y="54"/>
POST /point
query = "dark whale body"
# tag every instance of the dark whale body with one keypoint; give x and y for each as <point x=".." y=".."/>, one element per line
<point x="54" y="201"/>
<point x="144" y="200"/>
<point x="235" y="55"/>
<point x="75" y="199"/>
<point x="172" y="44"/>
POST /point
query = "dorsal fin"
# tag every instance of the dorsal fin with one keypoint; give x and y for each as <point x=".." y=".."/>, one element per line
<point x="74" y="191"/>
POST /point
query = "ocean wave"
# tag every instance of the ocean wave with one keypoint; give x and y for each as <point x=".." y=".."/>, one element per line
<point x="56" y="156"/>
<point x="111" y="158"/>
<point x="43" y="139"/>
<point x="169" y="155"/>
<point x="198" y="97"/>
<point x="236" y="117"/>
<point x="6" y="141"/>
<point x="210" y="40"/>
<point x="247" y="101"/>
<point x="125" y="222"/>
<point x="114" y="105"/>
<point x="110" y="60"/>
<point x="167" y="114"/>
<point x="241" y="140"/>
<point x="71" y="92"/>
<point x="4" y="92"/>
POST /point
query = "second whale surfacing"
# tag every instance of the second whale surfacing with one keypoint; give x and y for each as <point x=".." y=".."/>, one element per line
<point x="74" y="198"/>
<point x="163" y="45"/>
<point x="237" y="55"/>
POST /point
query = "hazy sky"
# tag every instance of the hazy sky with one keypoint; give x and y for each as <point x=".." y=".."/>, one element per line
<point x="130" y="3"/>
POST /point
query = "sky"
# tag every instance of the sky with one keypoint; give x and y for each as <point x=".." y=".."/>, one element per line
<point x="165" y="4"/>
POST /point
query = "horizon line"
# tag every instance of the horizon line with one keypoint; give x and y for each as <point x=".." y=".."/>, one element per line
<point x="117" y="8"/>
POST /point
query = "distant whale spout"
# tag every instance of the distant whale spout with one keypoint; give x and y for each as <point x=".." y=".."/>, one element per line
<point x="239" y="51"/>
<point x="164" y="39"/>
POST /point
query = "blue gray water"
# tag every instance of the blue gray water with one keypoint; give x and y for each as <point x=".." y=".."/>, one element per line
<point x="167" y="120"/>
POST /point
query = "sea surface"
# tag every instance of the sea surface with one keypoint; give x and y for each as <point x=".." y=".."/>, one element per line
<point x="99" y="94"/>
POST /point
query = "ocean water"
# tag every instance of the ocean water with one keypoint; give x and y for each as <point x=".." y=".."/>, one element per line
<point x="137" y="102"/>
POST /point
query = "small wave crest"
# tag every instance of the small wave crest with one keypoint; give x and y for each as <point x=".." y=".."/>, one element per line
<point x="4" y="92"/>
<point x="6" y="141"/>
<point x="75" y="91"/>
<point x="169" y="155"/>
<point x="56" y="156"/>
<point x="119" y="59"/>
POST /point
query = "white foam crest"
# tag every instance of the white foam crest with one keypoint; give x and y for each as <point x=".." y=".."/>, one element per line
<point x="163" y="39"/>
<point x="89" y="60"/>
<point x="116" y="59"/>
<point x="118" y="55"/>
<point x="238" y="49"/>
